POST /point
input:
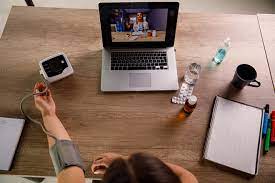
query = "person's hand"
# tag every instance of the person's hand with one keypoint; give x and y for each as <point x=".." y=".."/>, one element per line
<point x="44" y="103"/>
<point x="103" y="161"/>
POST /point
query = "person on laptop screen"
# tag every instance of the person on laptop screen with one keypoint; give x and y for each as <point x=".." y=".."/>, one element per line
<point x="130" y="25"/>
<point x="138" y="168"/>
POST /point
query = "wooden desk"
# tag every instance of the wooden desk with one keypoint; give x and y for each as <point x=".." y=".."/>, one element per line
<point x="131" y="121"/>
<point x="267" y="26"/>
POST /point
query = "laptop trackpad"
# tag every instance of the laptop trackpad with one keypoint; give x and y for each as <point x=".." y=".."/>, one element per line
<point x="137" y="80"/>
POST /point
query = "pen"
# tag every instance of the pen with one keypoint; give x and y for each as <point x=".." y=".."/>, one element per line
<point x="267" y="138"/>
<point x="266" y="116"/>
<point x="272" y="138"/>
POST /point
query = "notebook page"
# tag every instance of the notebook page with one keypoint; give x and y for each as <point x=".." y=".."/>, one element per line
<point x="234" y="135"/>
<point x="10" y="132"/>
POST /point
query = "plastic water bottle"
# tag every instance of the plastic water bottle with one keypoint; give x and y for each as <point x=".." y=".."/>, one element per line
<point x="221" y="53"/>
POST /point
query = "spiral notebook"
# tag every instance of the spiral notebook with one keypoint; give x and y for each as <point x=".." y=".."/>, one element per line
<point x="234" y="136"/>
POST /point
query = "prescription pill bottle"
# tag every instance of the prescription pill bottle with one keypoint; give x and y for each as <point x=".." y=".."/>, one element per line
<point x="190" y="104"/>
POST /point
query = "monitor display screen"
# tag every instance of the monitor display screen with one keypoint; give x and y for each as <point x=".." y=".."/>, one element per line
<point x="138" y="25"/>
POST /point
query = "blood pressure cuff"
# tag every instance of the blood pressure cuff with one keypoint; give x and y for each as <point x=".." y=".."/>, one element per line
<point x="65" y="154"/>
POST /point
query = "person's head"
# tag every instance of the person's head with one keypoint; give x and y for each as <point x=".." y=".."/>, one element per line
<point x="139" y="17"/>
<point x="139" y="168"/>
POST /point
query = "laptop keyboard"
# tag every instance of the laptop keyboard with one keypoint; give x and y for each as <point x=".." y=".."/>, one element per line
<point x="155" y="60"/>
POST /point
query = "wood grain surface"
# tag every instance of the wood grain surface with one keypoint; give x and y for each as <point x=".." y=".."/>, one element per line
<point x="128" y="122"/>
<point x="267" y="26"/>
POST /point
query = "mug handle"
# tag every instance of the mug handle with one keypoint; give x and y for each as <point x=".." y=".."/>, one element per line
<point x="257" y="83"/>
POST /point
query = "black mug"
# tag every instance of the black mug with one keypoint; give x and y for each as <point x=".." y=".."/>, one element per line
<point x="245" y="75"/>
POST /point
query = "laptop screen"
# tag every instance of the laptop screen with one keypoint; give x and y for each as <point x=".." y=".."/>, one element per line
<point x="138" y="25"/>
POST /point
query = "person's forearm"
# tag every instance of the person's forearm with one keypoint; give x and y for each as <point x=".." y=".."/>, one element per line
<point x="54" y="125"/>
<point x="71" y="175"/>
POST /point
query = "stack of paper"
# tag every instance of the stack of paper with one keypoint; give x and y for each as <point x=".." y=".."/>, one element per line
<point x="10" y="132"/>
<point x="234" y="136"/>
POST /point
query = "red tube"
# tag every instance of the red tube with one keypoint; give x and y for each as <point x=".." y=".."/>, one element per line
<point x="272" y="136"/>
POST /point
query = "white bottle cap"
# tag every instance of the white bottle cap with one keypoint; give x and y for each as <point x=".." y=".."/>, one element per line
<point x="192" y="100"/>
<point x="227" y="42"/>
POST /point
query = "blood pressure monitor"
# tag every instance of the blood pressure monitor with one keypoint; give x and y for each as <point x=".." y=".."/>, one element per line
<point x="55" y="67"/>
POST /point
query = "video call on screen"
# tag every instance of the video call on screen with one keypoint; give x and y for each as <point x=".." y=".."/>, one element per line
<point x="138" y="25"/>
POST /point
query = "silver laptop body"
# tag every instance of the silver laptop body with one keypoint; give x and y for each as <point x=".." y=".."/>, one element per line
<point x="132" y="68"/>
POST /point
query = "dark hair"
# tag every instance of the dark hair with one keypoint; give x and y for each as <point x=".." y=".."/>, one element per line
<point x="139" y="168"/>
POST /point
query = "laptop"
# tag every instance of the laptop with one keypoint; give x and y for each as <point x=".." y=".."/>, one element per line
<point x="138" y="46"/>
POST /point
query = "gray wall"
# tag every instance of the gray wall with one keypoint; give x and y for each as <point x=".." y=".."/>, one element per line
<point x="157" y="19"/>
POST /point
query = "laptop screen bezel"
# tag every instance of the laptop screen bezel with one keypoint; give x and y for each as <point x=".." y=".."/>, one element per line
<point x="105" y="10"/>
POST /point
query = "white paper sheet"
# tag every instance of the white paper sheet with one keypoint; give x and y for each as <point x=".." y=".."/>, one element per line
<point x="234" y="136"/>
<point x="10" y="132"/>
